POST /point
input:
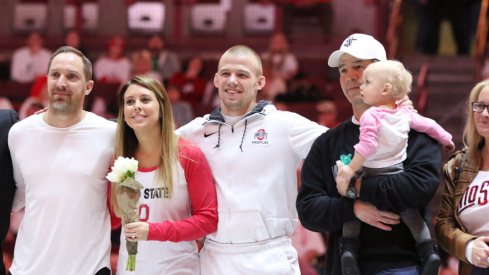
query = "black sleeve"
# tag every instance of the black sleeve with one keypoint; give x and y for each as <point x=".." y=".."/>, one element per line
<point x="7" y="184"/>
<point x="412" y="189"/>
<point x="319" y="205"/>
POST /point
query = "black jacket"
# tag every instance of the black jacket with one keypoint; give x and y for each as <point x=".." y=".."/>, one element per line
<point x="321" y="208"/>
<point x="7" y="184"/>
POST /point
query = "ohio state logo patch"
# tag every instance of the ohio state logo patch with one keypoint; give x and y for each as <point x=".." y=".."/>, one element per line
<point x="260" y="137"/>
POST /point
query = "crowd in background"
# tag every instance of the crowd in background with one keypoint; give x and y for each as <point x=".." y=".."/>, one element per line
<point x="188" y="90"/>
<point x="190" y="93"/>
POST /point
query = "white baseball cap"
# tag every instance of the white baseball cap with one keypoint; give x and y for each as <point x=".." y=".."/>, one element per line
<point x="361" y="46"/>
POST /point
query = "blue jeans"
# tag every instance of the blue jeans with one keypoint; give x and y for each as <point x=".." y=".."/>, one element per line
<point x="479" y="271"/>
<point x="412" y="270"/>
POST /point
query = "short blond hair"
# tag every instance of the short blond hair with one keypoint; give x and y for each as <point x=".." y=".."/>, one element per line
<point x="245" y="50"/>
<point x="394" y="73"/>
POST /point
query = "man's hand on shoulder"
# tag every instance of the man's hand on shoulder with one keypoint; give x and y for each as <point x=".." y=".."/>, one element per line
<point x="43" y="110"/>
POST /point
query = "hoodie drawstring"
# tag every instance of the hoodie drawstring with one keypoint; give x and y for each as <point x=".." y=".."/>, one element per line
<point x="242" y="138"/>
<point x="218" y="137"/>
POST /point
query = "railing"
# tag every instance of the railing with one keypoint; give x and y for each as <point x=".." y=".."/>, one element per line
<point x="481" y="40"/>
<point x="393" y="30"/>
<point x="422" y="88"/>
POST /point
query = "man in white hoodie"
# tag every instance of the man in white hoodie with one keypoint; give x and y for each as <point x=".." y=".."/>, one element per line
<point x="253" y="150"/>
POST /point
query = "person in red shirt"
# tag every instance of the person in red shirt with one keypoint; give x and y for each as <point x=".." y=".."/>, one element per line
<point x="190" y="81"/>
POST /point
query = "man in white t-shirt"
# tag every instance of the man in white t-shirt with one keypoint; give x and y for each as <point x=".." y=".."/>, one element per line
<point x="60" y="159"/>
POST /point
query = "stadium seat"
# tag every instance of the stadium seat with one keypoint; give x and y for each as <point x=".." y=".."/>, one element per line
<point x="146" y="16"/>
<point x="208" y="18"/>
<point x="30" y="17"/>
<point x="259" y="18"/>
<point x="89" y="15"/>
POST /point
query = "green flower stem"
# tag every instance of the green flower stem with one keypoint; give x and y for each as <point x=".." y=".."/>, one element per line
<point x="131" y="263"/>
<point x="128" y="197"/>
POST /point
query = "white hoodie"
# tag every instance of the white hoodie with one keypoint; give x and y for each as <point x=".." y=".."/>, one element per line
<point x="254" y="164"/>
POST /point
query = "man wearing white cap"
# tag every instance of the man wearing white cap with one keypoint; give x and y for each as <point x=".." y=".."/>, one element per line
<point x="387" y="246"/>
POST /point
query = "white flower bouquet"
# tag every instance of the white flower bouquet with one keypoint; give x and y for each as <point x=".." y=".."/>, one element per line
<point x="128" y="193"/>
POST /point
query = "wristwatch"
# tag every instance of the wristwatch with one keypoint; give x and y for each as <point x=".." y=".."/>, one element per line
<point x="352" y="192"/>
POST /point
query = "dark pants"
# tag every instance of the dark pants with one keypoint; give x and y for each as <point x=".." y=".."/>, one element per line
<point x="413" y="270"/>
<point x="431" y="15"/>
<point x="480" y="271"/>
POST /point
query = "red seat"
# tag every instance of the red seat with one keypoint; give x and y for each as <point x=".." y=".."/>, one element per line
<point x="16" y="92"/>
<point x="108" y="92"/>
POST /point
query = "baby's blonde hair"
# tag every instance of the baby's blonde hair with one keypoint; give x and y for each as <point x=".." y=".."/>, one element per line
<point x="394" y="73"/>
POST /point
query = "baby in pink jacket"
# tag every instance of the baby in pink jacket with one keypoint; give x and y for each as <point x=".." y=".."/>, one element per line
<point x="381" y="150"/>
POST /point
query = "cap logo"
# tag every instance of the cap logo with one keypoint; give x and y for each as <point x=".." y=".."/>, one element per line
<point x="349" y="41"/>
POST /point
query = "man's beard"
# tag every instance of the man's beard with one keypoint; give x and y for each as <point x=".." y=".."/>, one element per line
<point x="63" y="106"/>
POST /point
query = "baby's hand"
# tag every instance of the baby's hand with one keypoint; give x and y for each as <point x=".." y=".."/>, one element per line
<point x="345" y="174"/>
<point x="449" y="147"/>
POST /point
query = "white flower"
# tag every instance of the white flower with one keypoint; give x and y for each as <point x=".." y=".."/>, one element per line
<point x="113" y="177"/>
<point x="132" y="164"/>
<point x="122" y="169"/>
